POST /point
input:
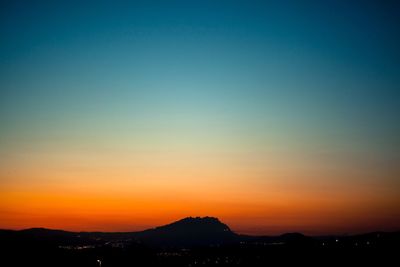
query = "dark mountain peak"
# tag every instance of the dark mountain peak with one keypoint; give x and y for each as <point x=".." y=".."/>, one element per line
<point x="203" y="224"/>
<point x="198" y="218"/>
<point x="190" y="231"/>
<point x="202" y="219"/>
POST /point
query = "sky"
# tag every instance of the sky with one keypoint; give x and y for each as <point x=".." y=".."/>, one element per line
<point x="274" y="116"/>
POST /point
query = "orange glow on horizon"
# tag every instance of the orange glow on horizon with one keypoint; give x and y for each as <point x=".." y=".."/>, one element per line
<point x="85" y="193"/>
<point x="80" y="211"/>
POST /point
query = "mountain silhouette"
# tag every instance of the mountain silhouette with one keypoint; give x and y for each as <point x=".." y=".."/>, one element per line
<point x="190" y="231"/>
<point x="192" y="241"/>
<point x="187" y="232"/>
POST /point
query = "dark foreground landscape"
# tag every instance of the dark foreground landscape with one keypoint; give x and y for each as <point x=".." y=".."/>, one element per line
<point x="193" y="242"/>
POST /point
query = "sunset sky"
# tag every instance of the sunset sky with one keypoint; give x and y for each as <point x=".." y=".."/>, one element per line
<point x="272" y="116"/>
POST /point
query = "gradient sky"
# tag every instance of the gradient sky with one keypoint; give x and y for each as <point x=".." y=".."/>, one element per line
<point x="273" y="116"/>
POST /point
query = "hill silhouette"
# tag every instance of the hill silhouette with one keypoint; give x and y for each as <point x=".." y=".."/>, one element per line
<point x="190" y="231"/>
<point x="191" y="241"/>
